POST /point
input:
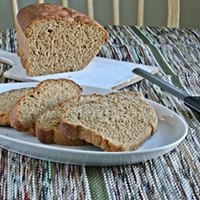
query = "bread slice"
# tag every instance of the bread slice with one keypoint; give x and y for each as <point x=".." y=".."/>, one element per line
<point x="47" y="124"/>
<point x="47" y="94"/>
<point x="117" y="122"/>
<point x="54" y="39"/>
<point x="8" y="100"/>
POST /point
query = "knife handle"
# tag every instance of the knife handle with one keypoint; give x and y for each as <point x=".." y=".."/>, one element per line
<point x="161" y="83"/>
<point x="193" y="102"/>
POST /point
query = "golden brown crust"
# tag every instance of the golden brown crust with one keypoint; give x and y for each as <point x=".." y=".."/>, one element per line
<point x="76" y="131"/>
<point x="15" y="123"/>
<point x="14" y="119"/>
<point x="4" y="119"/>
<point x="82" y="131"/>
<point x="14" y="116"/>
<point x="8" y="100"/>
<point x="54" y="136"/>
<point x="89" y="135"/>
<point x="31" y="13"/>
<point x="23" y="46"/>
<point x="30" y="45"/>
<point x="62" y="140"/>
<point x="48" y="132"/>
<point x="44" y="136"/>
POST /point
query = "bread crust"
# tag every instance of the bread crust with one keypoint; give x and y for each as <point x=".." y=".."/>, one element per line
<point x="7" y="102"/>
<point x="54" y="136"/>
<point x="34" y="13"/>
<point x="80" y="130"/>
<point x="91" y="136"/>
<point x="14" y="119"/>
<point x="44" y="136"/>
<point x="51" y="134"/>
<point x="84" y="133"/>
<point x="14" y="115"/>
<point x="4" y="119"/>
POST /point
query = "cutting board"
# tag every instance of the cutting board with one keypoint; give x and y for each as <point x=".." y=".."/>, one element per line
<point x="100" y="72"/>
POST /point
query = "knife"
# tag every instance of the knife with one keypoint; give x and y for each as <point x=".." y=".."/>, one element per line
<point x="192" y="102"/>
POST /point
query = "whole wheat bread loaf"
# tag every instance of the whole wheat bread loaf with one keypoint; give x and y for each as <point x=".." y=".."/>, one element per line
<point x="47" y="124"/>
<point x="53" y="39"/>
<point x="116" y="122"/>
<point x="8" y="100"/>
<point x="47" y="94"/>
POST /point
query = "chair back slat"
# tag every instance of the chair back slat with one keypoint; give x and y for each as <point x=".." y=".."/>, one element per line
<point x="90" y="8"/>
<point x="140" y="13"/>
<point x="116" y="14"/>
<point x="15" y="10"/>
<point x="65" y="3"/>
<point x="173" y="16"/>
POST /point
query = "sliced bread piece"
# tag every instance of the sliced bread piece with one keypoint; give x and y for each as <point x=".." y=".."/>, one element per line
<point x="54" y="39"/>
<point x="8" y="100"/>
<point x="117" y="122"/>
<point x="47" y="124"/>
<point x="47" y="94"/>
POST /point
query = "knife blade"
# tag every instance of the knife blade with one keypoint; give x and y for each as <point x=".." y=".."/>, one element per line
<point x="192" y="102"/>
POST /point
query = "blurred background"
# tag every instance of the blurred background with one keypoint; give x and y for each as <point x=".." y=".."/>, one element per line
<point x="155" y="12"/>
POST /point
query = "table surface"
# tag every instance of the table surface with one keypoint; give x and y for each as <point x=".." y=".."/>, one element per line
<point x="176" y="52"/>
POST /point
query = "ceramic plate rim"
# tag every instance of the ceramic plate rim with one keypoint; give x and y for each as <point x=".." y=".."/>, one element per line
<point x="91" y="152"/>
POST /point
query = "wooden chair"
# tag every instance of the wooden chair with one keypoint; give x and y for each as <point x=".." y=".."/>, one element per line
<point x="172" y="17"/>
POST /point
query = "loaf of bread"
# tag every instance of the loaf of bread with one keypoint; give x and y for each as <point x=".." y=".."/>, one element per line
<point x="120" y="121"/>
<point x="54" y="39"/>
<point x="46" y="95"/>
<point x="47" y="124"/>
<point x="7" y="102"/>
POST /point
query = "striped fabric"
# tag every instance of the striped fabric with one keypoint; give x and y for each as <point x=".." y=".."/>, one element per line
<point x="176" y="52"/>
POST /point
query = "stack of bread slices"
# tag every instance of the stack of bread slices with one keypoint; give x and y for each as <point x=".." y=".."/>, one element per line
<point x="57" y="112"/>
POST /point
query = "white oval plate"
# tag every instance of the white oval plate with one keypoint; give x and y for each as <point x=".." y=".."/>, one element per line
<point x="171" y="130"/>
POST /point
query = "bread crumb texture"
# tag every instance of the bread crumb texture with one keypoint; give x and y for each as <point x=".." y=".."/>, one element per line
<point x="47" y="124"/>
<point x="46" y="95"/>
<point x="117" y="122"/>
<point x="7" y="101"/>
<point x="54" y="39"/>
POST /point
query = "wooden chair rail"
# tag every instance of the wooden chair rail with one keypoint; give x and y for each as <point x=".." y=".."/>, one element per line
<point x="173" y="8"/>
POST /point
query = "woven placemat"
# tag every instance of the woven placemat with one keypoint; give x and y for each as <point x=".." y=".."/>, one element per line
<point x="176" y="53"/>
